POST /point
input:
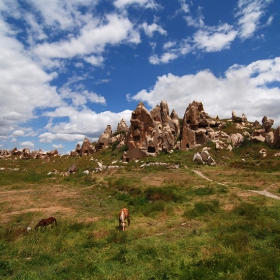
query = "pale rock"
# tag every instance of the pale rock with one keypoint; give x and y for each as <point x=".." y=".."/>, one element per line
<point x="198" y="158"/>
<point x="236" y="139"/>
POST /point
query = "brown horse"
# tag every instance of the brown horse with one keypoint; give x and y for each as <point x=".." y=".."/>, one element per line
<point x="123" y="215"/>
<point x="45" y="222"/>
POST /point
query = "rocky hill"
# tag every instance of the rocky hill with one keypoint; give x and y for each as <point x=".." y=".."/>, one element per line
<point x="159" y="130"/>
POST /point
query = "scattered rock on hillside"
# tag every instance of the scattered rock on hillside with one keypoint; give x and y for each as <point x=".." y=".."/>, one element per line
<point x="73" y="168"/>
<point x="237" y="119"/>
<point x="204" y="158"/>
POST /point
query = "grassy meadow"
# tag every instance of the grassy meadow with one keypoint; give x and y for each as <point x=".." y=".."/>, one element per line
<point x="183" y="225"/>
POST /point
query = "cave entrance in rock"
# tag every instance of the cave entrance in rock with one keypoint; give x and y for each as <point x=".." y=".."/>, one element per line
<point x="151" y="150"/>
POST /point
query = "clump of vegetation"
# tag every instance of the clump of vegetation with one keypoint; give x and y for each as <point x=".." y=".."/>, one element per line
<point x="162" y="193"/>
<point x="202" y="208"/>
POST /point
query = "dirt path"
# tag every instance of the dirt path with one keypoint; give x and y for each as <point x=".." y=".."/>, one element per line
<point x="265" y="193"/>
<point x="204" y="177"/>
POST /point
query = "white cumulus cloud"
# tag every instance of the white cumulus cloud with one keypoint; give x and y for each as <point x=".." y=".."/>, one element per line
<point x="244" y="89"/>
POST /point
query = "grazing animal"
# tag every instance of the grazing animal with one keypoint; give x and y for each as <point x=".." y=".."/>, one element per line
<point x="45" y="222"/>
<point x="124" y="215"/>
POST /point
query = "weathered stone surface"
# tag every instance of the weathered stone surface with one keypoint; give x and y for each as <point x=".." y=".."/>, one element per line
<point x="204" y="158"/>
<point x="25" y="154"/>
<point x="196" y="125"/>
<point x="73" y="168"/>
<point x="276" y="138"/>
<point x="237" y="119"/>
<point x="236" y="139"/>
<point x="267" y="124"/>
<point x="263" y="152"/>
<point x="198" y="158"/>
<point x="151" y="132"/>
<point x="87" y="148"/>
<point x="122" y="126"/>
<point x="258" y="135"/>
<point x="104" y="139"/>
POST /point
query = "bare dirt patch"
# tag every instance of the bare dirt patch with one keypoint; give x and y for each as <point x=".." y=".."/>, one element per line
<point x="41" y="202"/>
<point x="153" y="181"/>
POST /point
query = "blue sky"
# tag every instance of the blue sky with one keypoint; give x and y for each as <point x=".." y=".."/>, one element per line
<point x="70" y="67"/>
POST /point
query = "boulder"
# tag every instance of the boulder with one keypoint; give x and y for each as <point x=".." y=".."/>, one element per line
<point x="267" y="124"/>
<point x="198" y="158"/>
<point x="204" y="158"/>
<point x="73" y="168"/>
<point x="236" y="139"/>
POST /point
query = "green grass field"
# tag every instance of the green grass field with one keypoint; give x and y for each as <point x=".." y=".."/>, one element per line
<point x="183" y="226"/>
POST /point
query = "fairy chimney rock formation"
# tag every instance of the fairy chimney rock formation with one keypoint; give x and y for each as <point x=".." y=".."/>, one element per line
<point x="119" y="136"/>
<point x="104" y="139"/>
<point x="197" y="126"/>
<point x="151" y="132"/>
<point x="122" y="126"/>
<point x="87" y="148"/>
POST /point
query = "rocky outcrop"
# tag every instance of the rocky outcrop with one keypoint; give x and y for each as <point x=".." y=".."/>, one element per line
<point x="276" y="138"/>
<point x="267" y="124"/>
<point x="262" y="132"/>
<point x="118" y="138"/>
<point x="237" y="119"/>
<point x="122" y="126"/>
<point x="87" y="148"/>
<point x="104" y="139"/>
<point x="151" y="132"/>
<point x="159" y="131"/>
<point x="25" y="153"/>
<point x="236" y="139"/>
<point x="197" y="126"/>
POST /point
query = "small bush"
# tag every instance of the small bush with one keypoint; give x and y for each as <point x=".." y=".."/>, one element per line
<point x="114" y="145"/>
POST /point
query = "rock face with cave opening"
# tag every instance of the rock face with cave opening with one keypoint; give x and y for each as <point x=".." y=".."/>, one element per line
<point x="196" y="128"/>
<point x="151" y="132"/>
